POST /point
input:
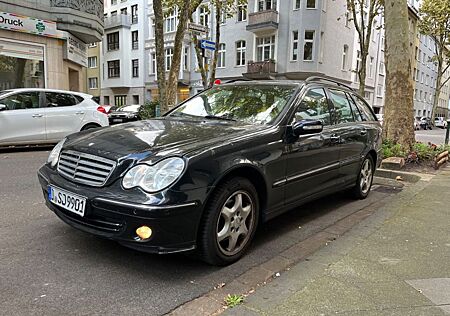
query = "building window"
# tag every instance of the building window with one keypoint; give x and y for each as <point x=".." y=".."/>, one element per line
<point x="113" y="2"/>
<point x="264" y="5"/>
<point x="294" y="46"/>
<point x="114" y="69"/>
<point x="381" y="69"/>
<point x="379" y="91"/>
<point x="92" y="62"/>
<point x="308" y="47"/>
<point x="92" y="45"/>
<point x="203" y="15"/>
<point x="344" y="58"/>
<point x="152" y="63"/>
<point x="134" y="14"/>
<point x="93" y="83"/>
<point x="136" y="99"/>
<point x="113" y="13"/>
<point x="265" y="48"/>
<point x="134" y="40"/>
<point x="135" y="68"/>
<point x="242" y="12"/>
<point x="106" y="100"/>
<point x="169" y="56"/>
<point x="112" y="40"/>
<point x="152" y="28"/>
<point x="221" y="56"/>
<point x="371" y="67"/>
<point x="310" y="4"/>
<point x="123" y="11"/>
<point x="240" y="53"/>
<point x="120" y="100"/>
<point x="186" y="58"/>
<point x="297" y="4"/>
<point x="171" y="21"/>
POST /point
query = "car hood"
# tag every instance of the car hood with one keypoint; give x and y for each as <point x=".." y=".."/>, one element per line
<point x="157" y="138"/>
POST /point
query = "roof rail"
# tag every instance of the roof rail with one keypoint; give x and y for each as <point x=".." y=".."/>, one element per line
<point x="238" y="79"/>
<point x="318" y="78"/>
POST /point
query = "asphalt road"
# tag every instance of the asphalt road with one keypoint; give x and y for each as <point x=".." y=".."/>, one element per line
<point x="47" y="267"/>
<point x="434" y="136"/>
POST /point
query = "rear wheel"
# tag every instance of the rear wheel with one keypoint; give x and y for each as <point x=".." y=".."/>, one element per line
<point x="365" y="178"/>
<point x="89" y="126"/>
<point x="229" y="223"/>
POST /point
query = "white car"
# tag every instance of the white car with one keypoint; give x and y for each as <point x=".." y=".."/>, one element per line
<point x="440" y="122"/>
<point x="45" y="116"/>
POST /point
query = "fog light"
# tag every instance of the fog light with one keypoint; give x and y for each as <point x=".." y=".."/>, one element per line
<point x="144" y="232"/>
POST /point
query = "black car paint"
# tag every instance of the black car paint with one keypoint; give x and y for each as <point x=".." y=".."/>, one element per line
<point x="286" y="170"/>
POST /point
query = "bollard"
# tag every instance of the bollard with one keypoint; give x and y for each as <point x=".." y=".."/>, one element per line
<point x="447" y="132"/>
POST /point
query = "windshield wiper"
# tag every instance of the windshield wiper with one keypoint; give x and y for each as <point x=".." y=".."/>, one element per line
<point x="222" y="118"/>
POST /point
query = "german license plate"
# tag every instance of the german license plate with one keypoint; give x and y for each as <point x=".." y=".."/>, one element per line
<point x="67" y="200"/>
<point x="117" y="120"/>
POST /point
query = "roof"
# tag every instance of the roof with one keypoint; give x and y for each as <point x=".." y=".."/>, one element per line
<point x="47" y="90"/>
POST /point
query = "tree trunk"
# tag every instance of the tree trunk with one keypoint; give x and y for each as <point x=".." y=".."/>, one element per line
<point x="362" y="73"/>
<point x="437" y="92"/>
<point x="218" y="9"/>
<point x="160" y="54"/>
<point x="172" y="87"/>
<point x="201" y="67"/>
<point x="398" y="119"/>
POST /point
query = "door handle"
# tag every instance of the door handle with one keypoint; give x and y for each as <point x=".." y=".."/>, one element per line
<point x="37" y="115"/>
<point x="363" y="132"/>
<point x="79" y="112"/>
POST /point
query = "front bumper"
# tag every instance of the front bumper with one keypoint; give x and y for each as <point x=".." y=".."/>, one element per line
<point x="112" y="213"/>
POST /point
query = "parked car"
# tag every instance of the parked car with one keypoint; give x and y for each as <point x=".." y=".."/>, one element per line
<point x="425" y="123"/>
<point x="45" y="116"/>
<point x="440" y="122"/>
<point x="123" y="114"/>
<point x="416" y="123"/>
<point x="207" y="173"/>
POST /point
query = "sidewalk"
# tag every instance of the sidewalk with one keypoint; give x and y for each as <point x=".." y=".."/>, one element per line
<point x="396" y="262"/>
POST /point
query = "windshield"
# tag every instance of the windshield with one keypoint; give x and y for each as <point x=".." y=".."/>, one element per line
<point x="245" y="103"/>
<point x="129" y="108"/>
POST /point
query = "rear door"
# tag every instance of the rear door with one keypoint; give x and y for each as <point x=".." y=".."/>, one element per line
<point x="23" y="121"/>
<point x="312" y="160"/>
<point x="63" y="114"/>
<point x="352" y="133"/>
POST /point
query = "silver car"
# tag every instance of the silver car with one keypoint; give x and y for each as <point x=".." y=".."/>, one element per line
<point x="44" y="116"/>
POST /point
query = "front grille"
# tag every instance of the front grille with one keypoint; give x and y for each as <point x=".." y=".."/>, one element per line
<point x="84" y="168"/>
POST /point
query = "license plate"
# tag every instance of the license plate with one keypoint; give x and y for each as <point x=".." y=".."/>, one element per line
<point x="67" y="200"/>
<point x="117" y="120"/>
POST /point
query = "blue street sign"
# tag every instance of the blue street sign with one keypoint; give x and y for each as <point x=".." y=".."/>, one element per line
<point x="205" y="44"/>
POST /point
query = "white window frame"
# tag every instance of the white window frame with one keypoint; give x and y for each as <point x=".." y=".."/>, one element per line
<point x="273" y="4"/>
<point x="186" y="58"/>
<point x="168" y="58"/>
<point x="242" y="12"/>
<point x="263" y="42"/>
<point x="344" y="57"/>
<point x="171" y="22"/>
<point x="295" y="43"/>
<point x="94" y="64"/>
<point x="221" y="56"/>
<point x="310" y="8"/>
<point x="297" y="4"/>
<point x="241" y="53"/>
<point x="203" y="15"/>
<point x="309" y="41"/>
<point x="93" y="87"/>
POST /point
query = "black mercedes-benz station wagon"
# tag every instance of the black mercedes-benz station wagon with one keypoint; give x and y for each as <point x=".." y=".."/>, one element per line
<point x="207" y="173"/>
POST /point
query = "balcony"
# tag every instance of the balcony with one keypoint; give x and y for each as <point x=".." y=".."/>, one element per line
<point x="261" y="69"/>
<point x="117" y="21"/>
<point x="263" y="21"/>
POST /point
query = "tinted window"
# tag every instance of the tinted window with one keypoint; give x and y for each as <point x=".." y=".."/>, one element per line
<point x="364" y="108"/>
<point x="78" y="98"/>
<point x="254" y="104"/>
<point x="356" y="113"/>
<point x="313" y="106"/>
<point x="56" y="99"/>
<point x="21" y="101"/>
<point x="343" y="111"/>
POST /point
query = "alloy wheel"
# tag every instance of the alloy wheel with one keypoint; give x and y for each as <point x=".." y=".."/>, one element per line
<point x="366" y="176"/>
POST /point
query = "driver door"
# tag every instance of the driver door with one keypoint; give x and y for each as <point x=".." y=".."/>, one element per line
<point x="22" y="121"/>
<point x="312" y="160"/>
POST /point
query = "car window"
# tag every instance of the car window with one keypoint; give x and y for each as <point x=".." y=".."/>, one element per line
<point x="364" y="108"/>
<point x="356" y="113"/>
<point x="343" y="111"/>
<point x="314" y="105"/>
<point x="57" y="99"/>
<point x="21" y="101"/>
<point x="78" y="98"/>
<point x="253" y="104"/>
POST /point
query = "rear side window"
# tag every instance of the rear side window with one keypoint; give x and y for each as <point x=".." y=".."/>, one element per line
<point x="366" y="111"/>
<point x="78" y="98"/>
<point x="356" y="113"/>
<point x="57" y="99"/>
<point x="342" y="108"/>
<point x="314" y="106"/>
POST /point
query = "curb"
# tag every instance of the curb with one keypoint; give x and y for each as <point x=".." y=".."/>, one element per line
<point x="406" y="176"/>
<point x="212" y="303"/>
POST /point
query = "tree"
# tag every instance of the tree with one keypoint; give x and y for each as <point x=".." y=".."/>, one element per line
<point x="435" y="22"/>
<point x="399" y="107"/>
<point x="363" y="27"/>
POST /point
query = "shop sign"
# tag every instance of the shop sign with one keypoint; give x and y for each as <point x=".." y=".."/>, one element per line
<point x="75" y="50"/>
<point x="26" y="24"/>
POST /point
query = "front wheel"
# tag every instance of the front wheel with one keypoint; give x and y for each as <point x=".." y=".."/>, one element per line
<point x="229" y="222"/>
<point x="365" y="179"/>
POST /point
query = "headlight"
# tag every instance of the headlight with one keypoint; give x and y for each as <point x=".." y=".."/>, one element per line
<point x="54" y="155"/>
<point x="154" y="178"/>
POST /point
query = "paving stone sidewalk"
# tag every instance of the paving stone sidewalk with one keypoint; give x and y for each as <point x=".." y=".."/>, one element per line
<point x="395" y="262"/>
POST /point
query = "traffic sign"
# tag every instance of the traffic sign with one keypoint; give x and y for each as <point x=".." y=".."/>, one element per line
<point x="205" y="44"/>
<point x="198" y="28"/>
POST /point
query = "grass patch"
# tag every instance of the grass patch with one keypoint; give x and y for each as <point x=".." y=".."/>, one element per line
<point x="419" y="153"/>
<point x="233" y="300"/>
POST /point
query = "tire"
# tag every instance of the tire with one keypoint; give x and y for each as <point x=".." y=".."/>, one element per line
<point x="365" y="179"/>
<point x="224" y="215"/>
<point x="89" y="126"/>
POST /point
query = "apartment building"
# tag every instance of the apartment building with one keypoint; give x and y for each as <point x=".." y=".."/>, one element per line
<point x="93" y="73"/>
<point x="123" y="62"/>
<point x="44" y="43"/>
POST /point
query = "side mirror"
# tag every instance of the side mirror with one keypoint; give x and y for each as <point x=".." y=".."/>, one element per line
<point x="307" y="127"/>
<point x="3" y="107"/>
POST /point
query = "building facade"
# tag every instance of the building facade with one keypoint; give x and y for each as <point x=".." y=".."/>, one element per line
<point x="123" y="63"/>
<point x="44" y="43"/>
<point x="93" y="73"/>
